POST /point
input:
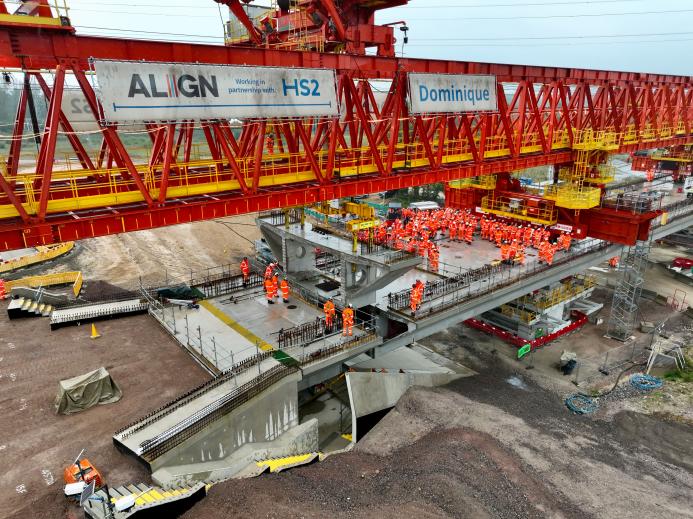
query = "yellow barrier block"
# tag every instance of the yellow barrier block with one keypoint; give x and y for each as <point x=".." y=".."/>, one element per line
<point x="277" y="464"/>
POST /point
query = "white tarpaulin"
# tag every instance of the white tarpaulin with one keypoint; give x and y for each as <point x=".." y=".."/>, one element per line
<point x="452" y="93"/>
<point x="141" y="91"/>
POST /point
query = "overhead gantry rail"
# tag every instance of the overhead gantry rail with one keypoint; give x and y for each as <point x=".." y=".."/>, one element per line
<point x="197" y="170"/>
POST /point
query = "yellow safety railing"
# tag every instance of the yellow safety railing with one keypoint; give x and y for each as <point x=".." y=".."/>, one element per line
<point x="524" y="316"/>
<point x="46" y="280"/>
<point x="569" y="196"/>
<point x="487" y="182"/>
<point x="207" y="176"/>
<point x="43" y="253"/>
<point x="59" y="12"/>
<point x="606" y="173"/>
<point x="566" y="290"/>
<point x="544" y="213"/>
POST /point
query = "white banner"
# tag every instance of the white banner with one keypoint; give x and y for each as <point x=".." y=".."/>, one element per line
<point x="452" y="93"/>
<point x="142" y="91"/>
<point x="75" y="107"/>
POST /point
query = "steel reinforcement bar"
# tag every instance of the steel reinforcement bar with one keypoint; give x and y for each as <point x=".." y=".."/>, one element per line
<point x="194" y="393"/>
<point x="155" y="447"/>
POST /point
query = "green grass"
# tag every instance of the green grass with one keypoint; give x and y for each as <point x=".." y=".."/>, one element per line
<point x="681" y="375"/>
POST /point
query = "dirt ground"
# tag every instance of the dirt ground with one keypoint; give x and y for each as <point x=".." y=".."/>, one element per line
<point x="36" y="444"/>
<point x="493" y="445"/>
<point x="156" y="254"/>
<point x="499" y="444"/>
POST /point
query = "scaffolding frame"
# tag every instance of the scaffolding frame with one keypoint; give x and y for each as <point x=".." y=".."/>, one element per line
<point x="625" y="303"/>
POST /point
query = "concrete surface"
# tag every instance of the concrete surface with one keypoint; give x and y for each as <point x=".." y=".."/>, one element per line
<point x="299" y="439"/>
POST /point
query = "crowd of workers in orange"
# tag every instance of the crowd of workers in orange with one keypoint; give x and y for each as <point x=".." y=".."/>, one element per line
<point x="418" y="231"/>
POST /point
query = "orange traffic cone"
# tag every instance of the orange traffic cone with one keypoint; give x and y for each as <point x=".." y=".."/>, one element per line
<point x="94" y="333"/>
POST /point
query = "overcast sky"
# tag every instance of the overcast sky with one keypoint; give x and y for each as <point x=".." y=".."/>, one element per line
<point x="633" y="35"/>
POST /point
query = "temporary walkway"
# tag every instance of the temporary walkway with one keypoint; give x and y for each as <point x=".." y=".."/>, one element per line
<point x="88" y="313"/>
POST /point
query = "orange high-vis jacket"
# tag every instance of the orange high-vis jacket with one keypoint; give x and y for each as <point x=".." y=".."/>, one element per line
<point x="328" y="307"/>
<point x="348" y="315"/>
<point x="285" y="289"/>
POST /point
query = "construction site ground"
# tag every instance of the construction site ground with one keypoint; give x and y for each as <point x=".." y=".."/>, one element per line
<point x="497" y="444"/>
<point x="492" y="445"/>
<point x="36" y="444"/>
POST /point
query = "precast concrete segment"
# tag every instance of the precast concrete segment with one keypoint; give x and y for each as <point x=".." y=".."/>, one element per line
<point x="335" y="244"/>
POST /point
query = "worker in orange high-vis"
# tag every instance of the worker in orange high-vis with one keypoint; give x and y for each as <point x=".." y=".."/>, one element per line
<point x="269" y="271"/>
<point x="284" y="287"/>
<point x="269" y="291"/>
<point x="330" y="311"/>
<point x="414" y="299"/>
<point x="269" y="141"/>
<point x="275" y="284"/>
<point x="505" y="252"/>
<point x="613" y="262"/>
<point x="245" y="270"/>
<point x="348" y="321"/>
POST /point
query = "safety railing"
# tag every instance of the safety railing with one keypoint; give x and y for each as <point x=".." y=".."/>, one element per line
<point x="174" y="436"/>
<point x="186" y="398"/>
<point x="317" y="330"/>
<point x="634" y="202"/>
<point x="113" y="186"/>
<point x="538" y="211"/>
<point x="567" y="289"/>
<point x="487" y="182"/>
<point x="447" y="293"/>
<point x="570" y="196"/>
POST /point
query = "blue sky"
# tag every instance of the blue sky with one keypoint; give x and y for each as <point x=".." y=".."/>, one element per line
<point x="633" y="35"/>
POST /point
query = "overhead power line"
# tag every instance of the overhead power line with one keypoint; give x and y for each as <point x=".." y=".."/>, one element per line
<point x="523" y="4"/>
<point x="548" y="44"/>
<point x="553" y="16"/>
<point x="148" y="32"/>
<point x="560" y="37"/>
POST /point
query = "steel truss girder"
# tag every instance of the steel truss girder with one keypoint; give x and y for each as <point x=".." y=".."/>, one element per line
<point x="549" y="110"/>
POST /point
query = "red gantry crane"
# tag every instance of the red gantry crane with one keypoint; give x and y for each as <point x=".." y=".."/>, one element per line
<point x="202" y="168"/>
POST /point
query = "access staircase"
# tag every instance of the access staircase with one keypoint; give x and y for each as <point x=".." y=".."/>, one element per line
<point x="150" y="501"/>
<point x="26" y="307"/>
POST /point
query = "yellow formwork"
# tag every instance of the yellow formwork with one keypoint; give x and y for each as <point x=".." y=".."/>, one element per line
<point x="523" y="315"/>
<point x="63" y="278"/>
<point x="43" y="253"/>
